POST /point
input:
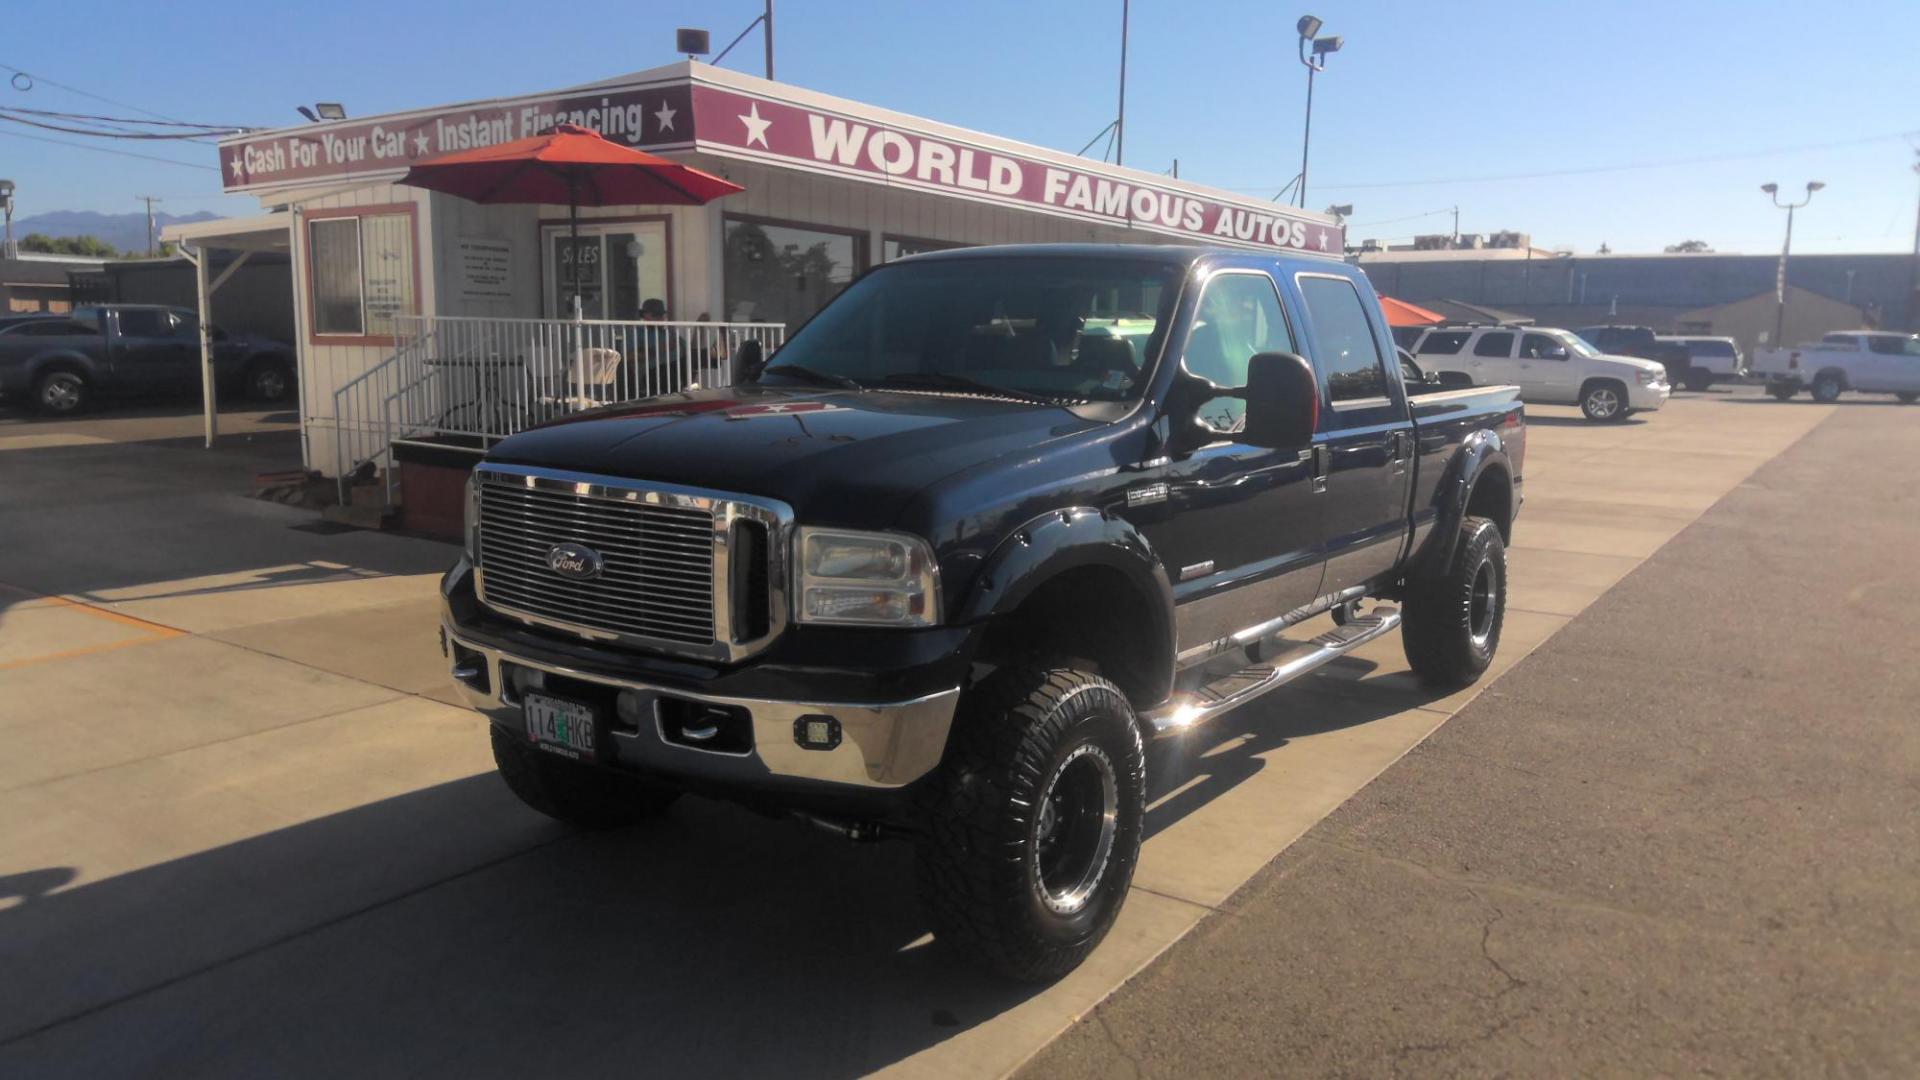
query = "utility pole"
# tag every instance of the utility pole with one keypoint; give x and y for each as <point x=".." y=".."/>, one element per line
<point x="149" y="200"/>
<point x="1913" y="272"/>
<point x="768" y="17"/>
<point x="1456" y="226"/>
<point x="1120" y="125"/>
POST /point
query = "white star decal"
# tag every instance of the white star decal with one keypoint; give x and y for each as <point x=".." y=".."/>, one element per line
<point x="1323" y="239"/>
<point x="239" y="168"/>
<point x="419" y="144"/>
<point x="665" y="116"/>
<point x="756" y="127"/>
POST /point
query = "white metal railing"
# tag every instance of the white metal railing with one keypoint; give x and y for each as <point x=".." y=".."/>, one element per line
<point x="481" y="379"/>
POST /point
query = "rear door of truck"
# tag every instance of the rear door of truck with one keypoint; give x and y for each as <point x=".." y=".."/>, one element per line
<point x="1363" y="452"/>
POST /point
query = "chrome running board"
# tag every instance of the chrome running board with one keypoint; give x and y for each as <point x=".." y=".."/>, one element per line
<point x="1192" y="707"/>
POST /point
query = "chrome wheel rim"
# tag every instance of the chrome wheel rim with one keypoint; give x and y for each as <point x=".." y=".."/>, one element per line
<point x="1073" y="832"/>
<point x="270" y="383"/>
<point x="1603" y="403"/>
<point x="1480" y="606"/>
<point x="61" y="393"/>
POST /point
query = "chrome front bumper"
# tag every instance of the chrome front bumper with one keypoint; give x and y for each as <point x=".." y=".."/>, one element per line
<point x="880" y="746"/>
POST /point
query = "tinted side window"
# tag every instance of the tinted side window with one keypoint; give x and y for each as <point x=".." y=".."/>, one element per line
<point x="1444" y="342"/>
<point x="54" y="328"/>
<point x="1710" y="348"/>
<point x="145" y="322"/>
<point x="1494" y="345"/>
<point x="1886" y="346"/>
<point x="1347" y="352"/>
<point x="1239" y="317"/>
<point x="1540" y="346"/>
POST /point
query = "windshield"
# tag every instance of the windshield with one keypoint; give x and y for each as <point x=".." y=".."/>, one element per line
<point x="1055" y="328"/>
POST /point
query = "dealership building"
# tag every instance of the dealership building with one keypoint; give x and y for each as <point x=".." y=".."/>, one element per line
<point x="386" y="275"/>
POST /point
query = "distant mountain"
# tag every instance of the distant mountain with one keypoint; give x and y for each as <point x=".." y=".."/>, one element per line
<point x="128" y="231"/>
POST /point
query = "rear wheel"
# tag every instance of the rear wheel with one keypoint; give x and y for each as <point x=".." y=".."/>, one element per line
<point x="1033" y="823"/>
<point x="270" y="380"/>
<point x="1451" y="628"/>
<point x="580" y="795"/>
<point x="61" y="393"/>
<point x="1908" y="397"/>
<point x="1781" y="393"/>
<point x="1826" y="389"/>
<point x="1603" y="401"/>
<point x="1698" y="381"/>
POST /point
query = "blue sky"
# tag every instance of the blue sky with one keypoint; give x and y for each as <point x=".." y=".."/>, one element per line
<point x="1429" y="105"/>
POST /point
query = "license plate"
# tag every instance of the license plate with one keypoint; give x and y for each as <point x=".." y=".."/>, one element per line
<point x="565" y="727"/>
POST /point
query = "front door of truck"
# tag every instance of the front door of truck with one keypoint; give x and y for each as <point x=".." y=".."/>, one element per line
<point x="1366" y="442"/>
<point x="1546" y="363"/>
<point x="150" y="354"/>
<point x="1237" y="526"/>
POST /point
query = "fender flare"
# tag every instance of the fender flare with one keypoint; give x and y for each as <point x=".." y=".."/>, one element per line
<point x="1069" y="539"/>
<point x="87" y="366"/>
<point x="1480" y="452"/>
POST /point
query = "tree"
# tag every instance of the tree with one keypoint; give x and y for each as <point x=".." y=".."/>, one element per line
<point x="88" y="246"/>
<point x="1689" y="247"/>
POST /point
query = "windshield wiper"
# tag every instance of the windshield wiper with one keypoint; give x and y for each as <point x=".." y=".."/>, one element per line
<point x="801" y="371"/>
<point x="946" y="380"/>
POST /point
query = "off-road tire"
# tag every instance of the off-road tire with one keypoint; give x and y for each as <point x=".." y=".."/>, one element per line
<point x="1826" y="389"/>
<point x="1449" y="636"/>
<point x="1781" y="393"/>
<point x="61" y="392"/>
<point x="580" y="795"/>
<point x="979" y="853"/>
<point x="1597" y="406"/>
<point x="1908" y="397"/>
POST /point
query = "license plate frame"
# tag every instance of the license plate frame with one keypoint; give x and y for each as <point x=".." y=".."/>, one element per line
<point x="560" y="725"/>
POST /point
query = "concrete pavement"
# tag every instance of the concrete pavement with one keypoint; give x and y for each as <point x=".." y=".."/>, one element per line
<point x="251" y="836"/>
<point x="1680" y="838"/>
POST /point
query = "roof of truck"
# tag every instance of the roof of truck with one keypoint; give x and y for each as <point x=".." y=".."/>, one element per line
<point x="1171" y="254"/>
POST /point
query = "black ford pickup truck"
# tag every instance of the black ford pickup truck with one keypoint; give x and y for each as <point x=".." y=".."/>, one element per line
<point x="60" y="364"/>
<point x="939" y="567"/>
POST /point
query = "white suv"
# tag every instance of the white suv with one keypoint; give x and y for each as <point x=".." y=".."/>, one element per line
<point x="1551" y="367"/>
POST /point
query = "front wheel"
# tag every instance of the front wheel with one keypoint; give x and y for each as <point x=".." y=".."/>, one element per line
<point x="1033" y="824"/>
<point x="580" y="795"/>
<point x="60" y="393"/>
<point x="1698" y="381"/>
<point x="1604" y="402"/>
<point x="1451" y="627"/>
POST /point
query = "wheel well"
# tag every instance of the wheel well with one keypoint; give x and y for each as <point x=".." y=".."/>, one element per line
<point x="1092" y="614"/>
<point x="1589" y="384"/>
<point x="1492" y="498"/>
<point x="1837" y="373"/>
<point x="260" y="360"/>
<point x="71" y="366"/>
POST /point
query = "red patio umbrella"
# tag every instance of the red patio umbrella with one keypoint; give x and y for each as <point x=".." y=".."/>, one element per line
<point x="570" y="164"/>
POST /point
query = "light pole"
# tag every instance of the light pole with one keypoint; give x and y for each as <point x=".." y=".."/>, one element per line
<point x="6" y="207"/>
<point x="1308" y="26"/>
<point x="1780" y="276"/>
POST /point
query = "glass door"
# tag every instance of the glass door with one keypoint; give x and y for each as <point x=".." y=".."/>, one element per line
<point x="615" y="268"/>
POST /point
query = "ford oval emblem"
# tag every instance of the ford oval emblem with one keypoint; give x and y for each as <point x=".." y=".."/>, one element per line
<point x="577" y="561"/>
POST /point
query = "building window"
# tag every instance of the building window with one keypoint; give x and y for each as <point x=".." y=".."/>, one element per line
<point x="899" y="247"/>
<point x="363" y="274"/>
<point x="784" y="273"/>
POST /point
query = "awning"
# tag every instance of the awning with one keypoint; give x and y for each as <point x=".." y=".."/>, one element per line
<point x="1401" y="313"/>
<point x="247" y="236"/>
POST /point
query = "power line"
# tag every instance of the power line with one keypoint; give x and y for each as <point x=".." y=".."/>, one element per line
<point x="107" y="150"/>
<point x="122" y="120"/>
<point x="1705" y="159"/>
<point x="151" y="136"/>
<point x="32" y="79"/>
<point x="1398" y="220"/>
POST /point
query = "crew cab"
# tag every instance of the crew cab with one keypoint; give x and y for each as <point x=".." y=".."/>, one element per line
<point x="59" y="364"/>
<point x="1709" y="359"/>
<point x="988" y="523"/>
<point x="1640" y="342"/>
<point x="1551" y="367"/>
<point x="1864" y="361"/>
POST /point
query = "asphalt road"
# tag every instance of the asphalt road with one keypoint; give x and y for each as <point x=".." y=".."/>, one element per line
<point x="1682" y="837"/>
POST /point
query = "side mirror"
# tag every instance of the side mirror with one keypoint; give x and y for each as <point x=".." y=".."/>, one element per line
<point x="1452" y="378"/>
<point x="749" y="360"/>
<point x="1283" y="401"/>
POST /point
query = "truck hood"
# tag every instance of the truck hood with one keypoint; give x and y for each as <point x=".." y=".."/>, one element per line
<point x="1636" y="363"/>
<point x="849" y="458"/>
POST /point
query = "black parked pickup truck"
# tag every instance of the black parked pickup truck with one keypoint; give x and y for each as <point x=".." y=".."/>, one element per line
<point x="60" y="364"/>
<point x="1642" y="343"/>
<point x="988" y="522"/>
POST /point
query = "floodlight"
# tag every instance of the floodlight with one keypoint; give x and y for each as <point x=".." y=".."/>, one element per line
<point x="330" y="110"/>
<point x="1308" y="26"/>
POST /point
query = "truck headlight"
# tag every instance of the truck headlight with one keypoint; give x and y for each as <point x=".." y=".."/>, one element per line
<point x="1648" y="378"/>
<point x="470" y="532"/>
<point x="865" y="579"/>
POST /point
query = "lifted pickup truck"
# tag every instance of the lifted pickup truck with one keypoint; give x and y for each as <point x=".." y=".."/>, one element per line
<point x="60" y="364"/>
<point x="987" y="523"/>
<point x="1864" y="361"/>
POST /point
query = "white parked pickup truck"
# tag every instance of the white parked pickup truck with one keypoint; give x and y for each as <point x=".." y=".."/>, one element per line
<point x="1551" y="367"/>
<point x="1864" y="361"/>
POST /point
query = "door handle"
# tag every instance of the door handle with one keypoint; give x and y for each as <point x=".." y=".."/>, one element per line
<point x="1322" y="458"/>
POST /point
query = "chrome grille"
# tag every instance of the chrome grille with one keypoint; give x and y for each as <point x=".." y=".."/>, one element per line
<point x="681" y="570"/>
